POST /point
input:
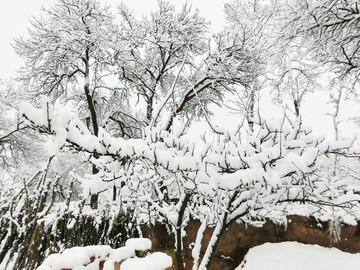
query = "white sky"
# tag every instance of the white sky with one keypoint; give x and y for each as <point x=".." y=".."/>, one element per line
<point x="15" y="16"/>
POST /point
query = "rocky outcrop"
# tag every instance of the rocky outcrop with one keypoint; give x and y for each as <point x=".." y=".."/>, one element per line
<point x="239" y="238"/>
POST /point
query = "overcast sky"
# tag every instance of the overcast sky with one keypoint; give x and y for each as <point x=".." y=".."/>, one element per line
<point x="15" y="16"/>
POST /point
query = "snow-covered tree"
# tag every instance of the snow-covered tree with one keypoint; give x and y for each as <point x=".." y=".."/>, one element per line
<point x="159" y="47"/>
<point x="244" y="176"/>
<point x="171" y="65"/>
<point x="68" y="53"/>
<point x="279" y="59"/>
<point x="295" y="74"/>
<point x="330" y="27"/>
<point x="21" y="151"/>
<point x="269" y="174"/>
<point x="250" y="27"/>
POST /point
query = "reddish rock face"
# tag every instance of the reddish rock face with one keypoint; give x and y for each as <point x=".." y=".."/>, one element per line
<point x="238" y="239"/>
<point x="101" y="265"/>
<point x="141" y="253"/>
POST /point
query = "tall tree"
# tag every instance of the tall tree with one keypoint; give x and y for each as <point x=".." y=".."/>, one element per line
<point x="68" y="52"/>
<point x="157" y="46"/>
<point x="171" y="66"/>
<point x="250" y="24"/>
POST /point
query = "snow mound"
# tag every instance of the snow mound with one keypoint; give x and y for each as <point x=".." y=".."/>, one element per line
<point x="122" y="253"/>
<point x="76" y="256"/>
<point x="297" y="256"/>
<point x="93" y="257"/>
<point x="139" y="243"/>
<point x="154" y="261"/>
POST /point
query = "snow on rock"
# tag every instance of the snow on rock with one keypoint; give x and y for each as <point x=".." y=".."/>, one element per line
<point x="139" y="243"/>
<point x="75" y="257"/>
<point x="109" y="265"/>
<point x="297" y="256"/>
<point x="122" y="253"/>
<point x="90" y="257"/>
<point x="60" y="261"/>
<point x="154" y="261"/>
<point x="101" y="251"/>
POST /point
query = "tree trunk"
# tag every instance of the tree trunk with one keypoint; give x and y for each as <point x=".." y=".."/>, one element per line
<point x="297" y="107"/>
<point x="336" y="101"/>
<point x="89" y="98"/>
<point x="178" y="252"/>
<point x="251" y="110"/>
<point x="94" y="198"/>
<point x="114" y="193"/>
<point x="216" y="235"/>
<point x="149" y="106"/>
<point x="197" y="247"/>
<point x="214" y="240"/>
<point x="95" y="127"/>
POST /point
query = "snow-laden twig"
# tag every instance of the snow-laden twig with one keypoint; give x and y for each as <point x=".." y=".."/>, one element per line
<point x="170" y="93"/>
<point x="208" y="120"/>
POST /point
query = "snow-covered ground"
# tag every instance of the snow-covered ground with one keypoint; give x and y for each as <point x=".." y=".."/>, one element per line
<point x="296" y="256"/>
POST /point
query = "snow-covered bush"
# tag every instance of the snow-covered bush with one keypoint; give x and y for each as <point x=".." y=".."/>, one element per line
<point x="35" y="221"/>
<point x="249" y="175"/>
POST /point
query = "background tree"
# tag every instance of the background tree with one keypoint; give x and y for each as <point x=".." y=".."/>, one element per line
<point x="21" y="151"/>
<point x="283" y="63"/>
<point x="330" y="27"/>
<point x="170" y="66"/>
<point x="157" y="47"/>
<point x="68" y="53"/>
<point x="250" y="24"/>
<point x="295" y="74"/>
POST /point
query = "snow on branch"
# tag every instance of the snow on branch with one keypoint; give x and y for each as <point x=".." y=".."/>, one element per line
<point x="249" y="176"/>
